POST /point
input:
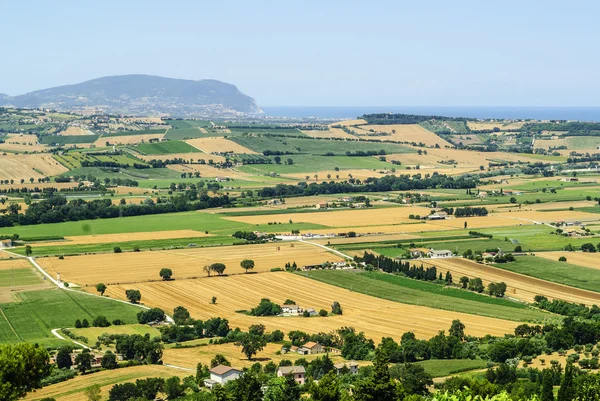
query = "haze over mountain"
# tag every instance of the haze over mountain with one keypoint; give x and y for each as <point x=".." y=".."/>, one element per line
<point x="142" y="95"/>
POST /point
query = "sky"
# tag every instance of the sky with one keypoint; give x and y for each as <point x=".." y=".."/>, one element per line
<point x="317" y="53"/>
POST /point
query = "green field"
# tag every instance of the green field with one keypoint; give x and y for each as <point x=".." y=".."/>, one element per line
<point x="184" y="133"/>
<point x="558" y="272"/>
<point x="19" y="277"/>
<point x="310" y="164"/>
<point x="414" y="292"/>
<point x="447" y="367"/>
<point x="157" y="131"/>
<point x="160" y="222"/>
<point x="182" y="124"/>
<point x="38" y="312"/>
<point x="73" y="160"/>
<point x="92" y="333"/>
<point x="165" y="148"/>
<point x="67" y="139"/>
<point x="316" y="146"/>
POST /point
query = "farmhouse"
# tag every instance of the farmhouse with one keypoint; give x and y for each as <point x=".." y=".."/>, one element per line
<point x="291" y="310"/>
<point x="221" y="179"/>
<point x="570" y="179"/>
<point x="418" y="252"/>
<point x="221" y="374"/>
<point x="5" y="243"/>
<point x="274" y="202"/>
<point x="482" y="194"/>
<point x="439" y="254"/>
<point x="347" y="199"/>
<point x="322" y="205"/>
<point x="438" y="216"/>
<point x="298" y="372"/>
<point x="350" y="367"/>
<point x="359" y="205"/>
<point x="311" y="312"/>
<point x="311" y="348"/>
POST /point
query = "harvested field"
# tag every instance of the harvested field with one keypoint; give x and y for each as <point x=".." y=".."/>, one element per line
<point x="548" y="217"/>
<point x="22" y="148"/>
<point x="365" y="313"/>
<point x="218" y="144"/>
<point x="144" y="266"/>
<point x="29" y="166"/>
<point x="407" y="133"/>
<point x="108" y="238"/>
<point x="184" y="156"/>
<point x="342" y="218"/>
<point x="72" y="131"/>
<point x="20" y="263"/>
<point x="42" y="185"/>
<point x="207" y="171"/>
<point x="341" y="175"/>
<point x="347" y="123"/>
<point x="520" y="286"/>
<point x="366" y="238"/>
<point x="330" y="133"/>
<point x="23" y="139"/>
<point x="126" y="139"/>
<point x="584" y="259"/>
<point x="466" y="139"/>
<point x="189" y="357"/>
<point x="72" y="390"/>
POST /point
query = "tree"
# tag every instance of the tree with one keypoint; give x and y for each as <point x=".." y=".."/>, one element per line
<point x="457" y="329"/>
<point x="282" y="389"/>
<point x="219" y="359"/>
<point x="465" y="225"/>
<point x="251" y="344"/>
<point x="22" y="367"/>
<point x="464" y="281"/>
<point x="328" y="388"/>
<point x="380" y="386"/>
<point x="150" y="387"/>
<point x="83" y="360"/>
<point x="213" y="300"/>
<point x="336" y="308"/>
<point x="562" y="259"/>
<point x="180" y="315"/>
<point x="413" y="378"/>
<point x="588" y="247"/>
<point x="63" y="357"/>
<point x="117" y="249"/>
<point x="207" y="270"/>
<point x="518" y="248"/>
<point x="93" y="393"/>
<point x="134" y="296"/>
<point x="246" y="388"/>
<point x="123" y="392"/>
<point x="475" y="284"/>
<point x="173" y="387"/>
<point x="247" y="264"/>
<point x="28" y="250"/>
<point x="101" y="288"/>
<point x="109" y="360"/>
<point x="165" y="273"/>
<point x="218" y="267"/>
<point x="100" y="321"/>
<point x="547" y="392"/>
<point x="85" y="323"/>
<point x="566" y="392"/>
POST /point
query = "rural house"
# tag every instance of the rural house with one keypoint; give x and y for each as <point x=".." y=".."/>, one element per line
<point x="298" y="372"/>
<point x="482" y="194"/>
<point x="311" y="348"/>
<point x="347" y="199"/>
<point x="438" y="216"/>
<point x="352" y="367"/>
<point x="322" y="205"/>
<point x="222" y="374"/>
<point x="274" y="202"/>
<point x="439" y="254"/>
<point x="5" y="243"/>
<point x="418" y="252"/>
<point x="570" y="179"/>
<point x="291" y="310"/>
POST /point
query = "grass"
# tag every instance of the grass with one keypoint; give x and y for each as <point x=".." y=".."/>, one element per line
<point x="157" y="131"/>
<point x="67" y="139"/>
<point x="164" y="148"/>
<point x="21" y="277"/>
<point x="558" y="272"/>
<point x="447" y="367"/>
<point x="316" y="146"/>
<point x="161" y="222"/>
<point x="180" y="124"/>
<point x="414" y="292"/>
<point x="92" y="333"/>
<point x="184" y="133"/>
<point x="38" y="312"/>
<point x="67" y="249"/>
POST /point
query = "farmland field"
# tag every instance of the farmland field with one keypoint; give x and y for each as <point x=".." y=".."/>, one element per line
<point x="519" y="286"/>
<point x="19" y="167"/>
<point x="217" y="144"/>
<point x="244" y="291"/>
<point x="136" y="267"/>
<point x="407" y="133"/>
<point x="165" y="148"/>
<point x="447" y="367"/>
<point x="73" y="390"/>
<point x="584" y="259"/>
<point x="127" y="139"/>
<point x="38" y="312"/>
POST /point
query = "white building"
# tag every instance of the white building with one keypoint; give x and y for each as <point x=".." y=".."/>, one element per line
<point x="439" y="254"/>
<point x="222" y="374"/>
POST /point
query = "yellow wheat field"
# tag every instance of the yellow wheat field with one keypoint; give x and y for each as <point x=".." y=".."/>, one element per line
<point x="218" y="144"/>
<point x="73" y="390"/>
<point x="73" y="131"/>
<point x="19" y="167"/>
<point x="482" y="125"/>
<point x="144" y="266"/>
<point x="23" y="139"/>
<point x="407" y="133"/>
<point x="332" y="175"/>
<point x="376" y="317"/>
<point x="347" y="123"/>
<point x="519" y="286"/>
<point x="19" y="263"/>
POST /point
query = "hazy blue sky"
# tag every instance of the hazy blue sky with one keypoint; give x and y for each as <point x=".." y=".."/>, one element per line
<point x="317" y="53"/>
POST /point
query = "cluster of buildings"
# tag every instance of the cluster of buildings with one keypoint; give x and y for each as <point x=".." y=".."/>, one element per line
<point x="5" y="243"/>
<point x="430" y="253"/>
<point x="222" y="374"/>
<point x="346" y="201"/>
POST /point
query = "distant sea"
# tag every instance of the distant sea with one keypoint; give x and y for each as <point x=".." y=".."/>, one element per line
<point x="535" y="113"/>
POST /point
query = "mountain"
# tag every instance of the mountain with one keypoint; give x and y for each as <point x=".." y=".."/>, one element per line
<point x="142" y="95"/>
